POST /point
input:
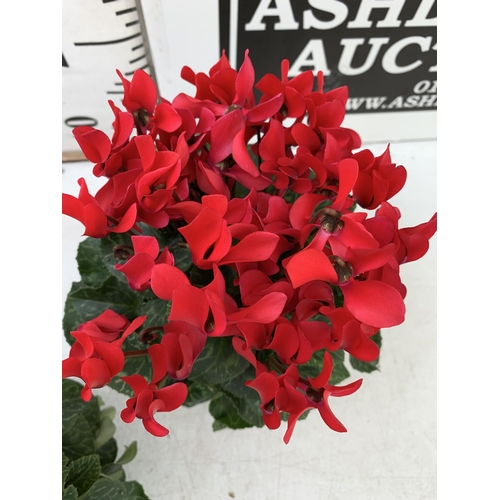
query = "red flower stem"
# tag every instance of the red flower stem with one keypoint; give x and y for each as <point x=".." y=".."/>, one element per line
<point x="274" y="363"/>
<point x="259" y="130"/>
<point x="135" y="354"/>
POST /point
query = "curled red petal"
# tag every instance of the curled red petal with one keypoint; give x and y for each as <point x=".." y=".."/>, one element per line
<point x="344" y="390"/>
<point x="330" y="419"/>
<point x="95" y="373"/>
<point x="166" y="118"/>
<point x="374" y="303"/>
<point x="71" y="367"/>
<point x="241" y="155"/>
<point x="146" y="244"/>
<point x="137" y="270"/>
<point x="173" y="396"/>
<point x="94" y="143"/>
<point x="323" y="377"/>
<point x="165" y="279"/>
<point x="266" y="384"/>
<point x="143" y="91"/>
<point x="310" y="265"/>
<point x="151" y="425"/>
<point x="189" y="304"/>
<point x="264" y="110"/>
<point x="223" y="133"/>
<point x="112" y="355"/>
<point x="136" y="382"/>
<point x="255" y="247"/>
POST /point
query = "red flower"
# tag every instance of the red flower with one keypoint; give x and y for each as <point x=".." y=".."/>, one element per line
<point x="88" y="211"/>
<point x="379" y="179"/>
<point x="372" y="302"/>
<point x="180" y="345"/>
<point x="139" y="267"/>
<point x="317" y="397"/>
<point x="140" y="98"/>
<point x="96" y="361"/>
<point x="351" y="335"/>
<point x="107" y="326"/>
<point x="149" y="400"/>
<point x="279" y="393"/>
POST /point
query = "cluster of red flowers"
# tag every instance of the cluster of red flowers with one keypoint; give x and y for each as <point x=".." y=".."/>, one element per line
<point x="267" y="188"/>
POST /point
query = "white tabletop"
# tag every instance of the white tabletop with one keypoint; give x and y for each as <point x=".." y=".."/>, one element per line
<point x="389" y="451"/>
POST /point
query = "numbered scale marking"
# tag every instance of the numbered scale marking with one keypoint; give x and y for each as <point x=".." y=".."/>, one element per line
<point x="99" y="37"/>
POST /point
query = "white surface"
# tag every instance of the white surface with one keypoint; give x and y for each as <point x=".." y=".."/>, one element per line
<point x="389" y="451"/>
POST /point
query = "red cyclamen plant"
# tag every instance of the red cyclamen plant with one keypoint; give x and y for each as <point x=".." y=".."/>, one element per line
<point x="225" y="252"/>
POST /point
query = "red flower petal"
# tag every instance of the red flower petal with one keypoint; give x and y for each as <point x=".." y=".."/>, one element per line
<point x="136" y="382"/>
<point x="165" y="279"/>
<point x="241" y="155"/>
<point x="374" y="303"/>
<point x="95" y="144"/>
<point x="255" y="247"/>
<point x="322" y="379"/>
<point x="143" y="91"/>
<point x="172" y="396"/>
<point x="166" y="118"/>
<point x="310" y="265"/>
<point x="223" y="133"/>
<point x="95" y="372"/>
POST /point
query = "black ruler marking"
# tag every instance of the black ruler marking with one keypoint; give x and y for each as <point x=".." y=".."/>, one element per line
<point x="125" y="11"/>
<point x="132" y="23"/>
<point x="137" y="59"/>
<point x="109" y="42"/>
<point x="128" y="73"/>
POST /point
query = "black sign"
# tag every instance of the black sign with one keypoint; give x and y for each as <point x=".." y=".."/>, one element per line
<point x="385" y="51"/>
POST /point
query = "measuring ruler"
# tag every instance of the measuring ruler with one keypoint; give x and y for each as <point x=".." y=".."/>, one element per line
<point x="98" y="37"/>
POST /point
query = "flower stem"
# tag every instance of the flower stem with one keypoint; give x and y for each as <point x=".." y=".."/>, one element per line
<point x="135" y="354"/>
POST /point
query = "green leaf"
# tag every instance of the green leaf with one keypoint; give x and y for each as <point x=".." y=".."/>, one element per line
<point x="134" y="491"/>
<point x="291" y="196"/>
<point x="157" y="311"/>
<point x="109" y="412"/>
<point x="218" y="426"/>
<point x="73" y="404"/>
<point x="114" y="471"/>
<point x="107" y="452"/>
<point x="105" y="432"/>
<point x="197" y="393"/>
<point x="245" y="399"/>
<point x="218" y="362"/>
<point x="77" y="437"/>
<point x="367" y="366"/>
<point x="314" y="366"/>
<point x="109" y="489"/>
<point x="70" y="493"/>
<point x="338" y="296"/>
<point x="285" y="416"/>
<point x="223" y="409"/>
<point x="65" y="469"/>
<point x="129" y="454"/>
<point x="339" y="371"/>
<point x="84" y="472"/>
<point x="107" y="254"/>
<point x="92" y="270"/>
<point x="200" y="277"/>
